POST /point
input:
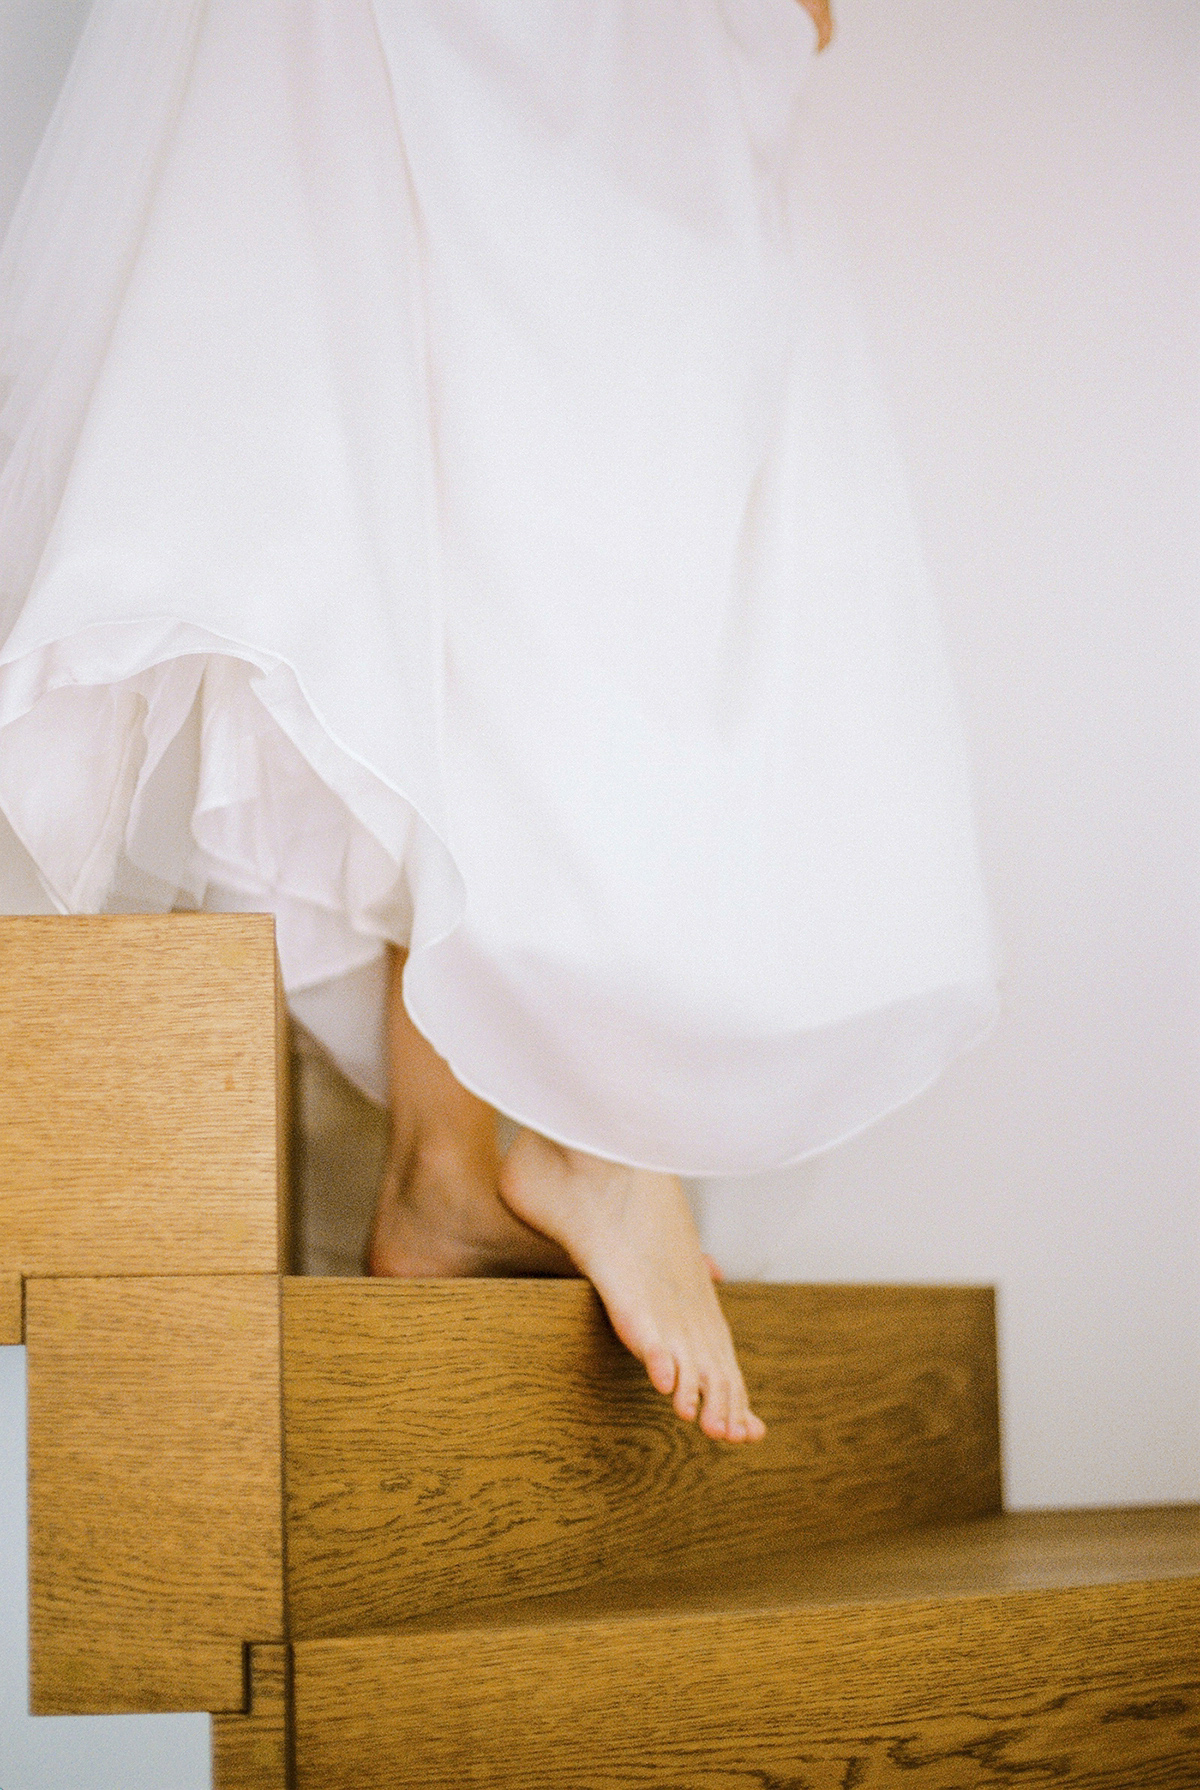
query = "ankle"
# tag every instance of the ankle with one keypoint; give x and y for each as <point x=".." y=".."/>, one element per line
<point x="437" y="1154"/>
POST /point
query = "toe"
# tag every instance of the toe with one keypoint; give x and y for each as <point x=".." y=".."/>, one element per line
<point x="660" y="1365"/>
<point x="744" y="1426"/>
<point x="687" y="1391"/>
<point x="714" y="1419"/>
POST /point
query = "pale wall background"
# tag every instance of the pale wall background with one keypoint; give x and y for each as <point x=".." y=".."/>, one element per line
<point x="1015" y="190"/>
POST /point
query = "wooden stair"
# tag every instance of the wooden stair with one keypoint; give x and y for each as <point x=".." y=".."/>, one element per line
<point x="444" y="1534"/>
<point x="994" y="1652"/>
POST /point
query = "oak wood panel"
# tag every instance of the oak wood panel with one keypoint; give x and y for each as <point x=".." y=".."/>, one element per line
<point x="138" y="1118"/>
<point x="457" y="1441"/>
<point x="1022" y="1551"/>
<point x="1086" y="1688"/>
<point x="287" y="1229"/>
<point x="251" y="1751"/>
<point x="12" y="1309"/>
<point x="154" y="1489"/>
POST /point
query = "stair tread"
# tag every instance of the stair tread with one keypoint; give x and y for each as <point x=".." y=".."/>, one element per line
<point x="1011" y="1553"/>
<point x="1001" y="1667"/>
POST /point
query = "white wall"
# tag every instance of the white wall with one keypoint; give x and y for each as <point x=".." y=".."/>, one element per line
<point x="1015" y="191"/>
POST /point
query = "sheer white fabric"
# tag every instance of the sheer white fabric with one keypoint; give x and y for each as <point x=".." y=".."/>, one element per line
<point x="444" y="502"/>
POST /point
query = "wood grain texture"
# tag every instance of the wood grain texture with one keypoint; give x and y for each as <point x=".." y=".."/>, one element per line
<point x="456" y="1442"/>
<point x="1094" y="1686"/>
<point x="154" y="1489"/>
<point x="287" y="1230"/>
<point x="12" y="1309"/>
<point x="252" y="1751"/>
<point x="1022" y="1551"/>
<point x="139" y="1130"/>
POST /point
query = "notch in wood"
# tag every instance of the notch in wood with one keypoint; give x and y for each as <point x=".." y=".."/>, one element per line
<point x="253" y="1751"/>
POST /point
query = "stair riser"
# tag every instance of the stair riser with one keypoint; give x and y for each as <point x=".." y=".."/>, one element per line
<point x="452" y="1442"/>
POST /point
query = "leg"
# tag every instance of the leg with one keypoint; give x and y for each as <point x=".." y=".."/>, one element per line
<point x="439" y="1210"/>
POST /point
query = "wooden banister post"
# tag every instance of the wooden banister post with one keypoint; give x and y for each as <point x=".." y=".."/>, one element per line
<point x="144" y="1224"/>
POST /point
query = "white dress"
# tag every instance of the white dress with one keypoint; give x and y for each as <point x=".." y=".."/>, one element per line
<point x="444" y="502"/>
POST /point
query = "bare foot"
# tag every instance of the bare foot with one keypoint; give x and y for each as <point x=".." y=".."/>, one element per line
<point x="449" y="1206"/>
<point x="439" y="1213"/>
<point x="631" y="1232"/>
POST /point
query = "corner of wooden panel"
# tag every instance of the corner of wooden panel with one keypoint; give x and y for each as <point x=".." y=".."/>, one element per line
<point x="12" y="1307"/>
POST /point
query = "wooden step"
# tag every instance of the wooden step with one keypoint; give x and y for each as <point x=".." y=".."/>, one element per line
<point x="1056" y="1650"/>
<point x="448" y="1442"/>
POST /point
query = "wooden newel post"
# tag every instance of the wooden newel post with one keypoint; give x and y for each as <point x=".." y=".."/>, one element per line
<point x="143" y="1231"/>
